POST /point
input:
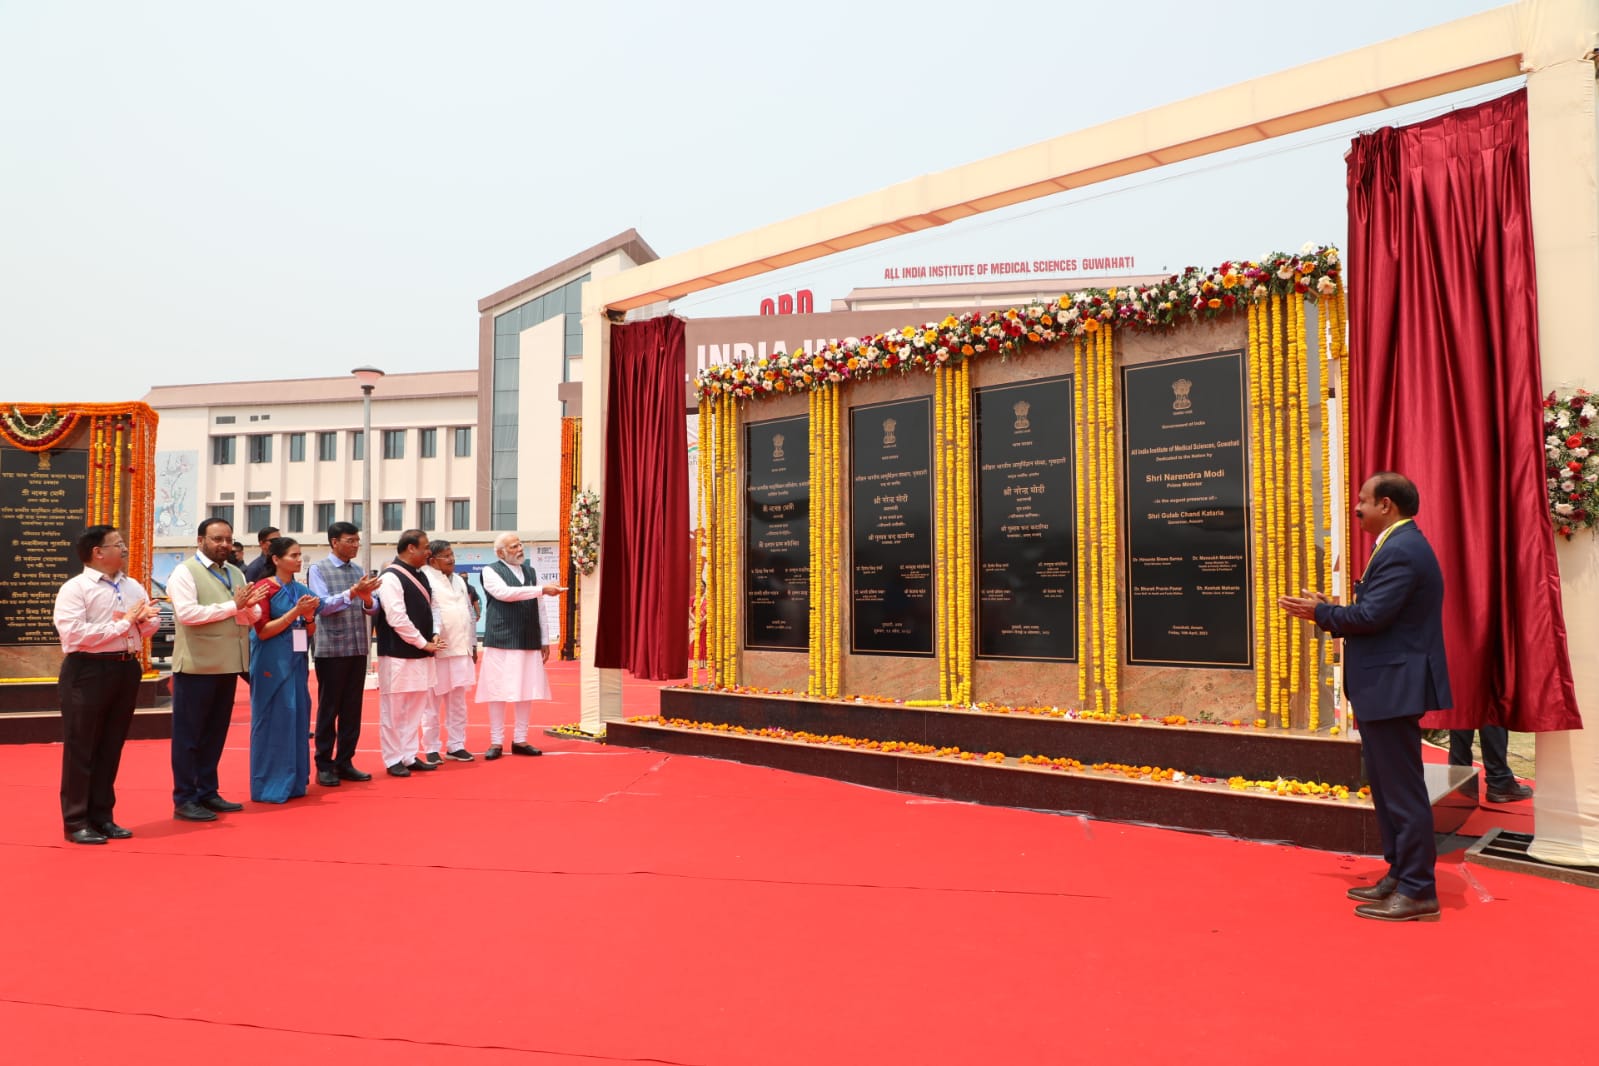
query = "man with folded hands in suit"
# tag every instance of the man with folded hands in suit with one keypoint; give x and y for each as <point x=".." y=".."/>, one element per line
<point x="1394" y="672"/>
<point x="103" y="618"/>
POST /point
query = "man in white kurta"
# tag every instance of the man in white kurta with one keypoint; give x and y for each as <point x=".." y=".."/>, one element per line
<point x="406" y="646"/>
<point x="453" y="670"/>
<point x="514" y="645"/>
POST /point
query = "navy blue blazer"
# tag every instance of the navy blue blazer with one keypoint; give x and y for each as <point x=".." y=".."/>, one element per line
<point x="1394" y="663"/>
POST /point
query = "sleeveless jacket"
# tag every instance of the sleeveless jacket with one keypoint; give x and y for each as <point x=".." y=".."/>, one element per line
<point x="342" y="634"/>
<point x="512" y="625"/>
<point x="220" y="647"/>
<point x="418" y="606"/>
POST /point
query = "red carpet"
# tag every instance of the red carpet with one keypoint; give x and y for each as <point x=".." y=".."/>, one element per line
<point x="603" y="905"/>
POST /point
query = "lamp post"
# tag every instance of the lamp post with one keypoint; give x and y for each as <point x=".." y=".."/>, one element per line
<point x="368" y="377"/>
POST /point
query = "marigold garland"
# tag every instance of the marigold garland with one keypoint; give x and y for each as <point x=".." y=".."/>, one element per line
<point x="571" y="467"/>
<point x="1192" y="296"/>
<point x="120" y="480"/>
<point x="1279" y="786"/>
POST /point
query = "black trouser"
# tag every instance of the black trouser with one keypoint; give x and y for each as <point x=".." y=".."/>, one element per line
<point x="1495" y="754"/>
<point x="202" y="709"/>
<point x="340" y="683"/>
<point x="1391" y="748"/>
<point x="97" y="698"/>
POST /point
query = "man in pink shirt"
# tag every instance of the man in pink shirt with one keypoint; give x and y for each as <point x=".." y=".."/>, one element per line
<point x="103" y="618"/>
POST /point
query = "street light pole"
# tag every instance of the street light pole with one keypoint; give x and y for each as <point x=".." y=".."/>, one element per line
<point x="368" y="377"/>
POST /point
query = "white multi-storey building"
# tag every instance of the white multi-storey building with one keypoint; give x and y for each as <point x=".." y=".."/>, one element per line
<point x="290" y="454"/>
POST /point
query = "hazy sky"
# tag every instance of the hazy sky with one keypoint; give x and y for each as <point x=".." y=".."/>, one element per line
<point x="219" y="191"/>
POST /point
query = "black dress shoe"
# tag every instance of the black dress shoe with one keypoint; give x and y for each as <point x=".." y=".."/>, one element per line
<point x="193" y="812"/>
<point x="1400" y="908"/>
<point x="220" y="805"/>
<point x="350" y="773"/>
<point x="399" y="769"/>
<point x="493" y="753"/>
<point x="327" y="778"/>
<point x="1375" y="893"/>
<point x="113" y="831"/>
<point x="524" y="749"/>
<point x="85" y="836"/>
<point x="423" y="765"/>
<point x="1514" y="794"/>
<point x="434" y="758"/>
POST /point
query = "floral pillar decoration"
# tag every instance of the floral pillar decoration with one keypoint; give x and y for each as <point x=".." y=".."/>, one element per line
<point x="119" y="440"/>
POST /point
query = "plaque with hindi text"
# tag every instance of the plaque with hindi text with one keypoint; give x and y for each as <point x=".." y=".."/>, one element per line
<point x="1026" y="521"/>
<point x="891" y="531"/>
<point x="777" y="548"/>
<point x="43" y="498"/>
<point x="1187" y="525"/>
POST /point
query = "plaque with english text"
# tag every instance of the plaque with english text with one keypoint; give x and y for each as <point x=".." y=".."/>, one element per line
<point x="1187" y="552"/>
<point x="891" y="528"/>
<point x="43" y="499"/>
<point x="1026" y="521"/>
<point x="777" y="530"/>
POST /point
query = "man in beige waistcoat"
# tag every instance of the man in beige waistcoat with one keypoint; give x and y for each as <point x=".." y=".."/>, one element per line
<point x="214" y="608"/>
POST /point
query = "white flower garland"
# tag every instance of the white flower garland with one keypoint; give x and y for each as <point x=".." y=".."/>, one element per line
<point x="584" y="531"/>
<point x="1571" y="460"/>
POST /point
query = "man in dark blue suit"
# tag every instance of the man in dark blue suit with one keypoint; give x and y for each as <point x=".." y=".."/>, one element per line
<point x="1394" y="672"/>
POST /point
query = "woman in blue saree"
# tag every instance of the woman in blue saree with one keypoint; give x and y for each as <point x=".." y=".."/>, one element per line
<point x="280" y="700"/>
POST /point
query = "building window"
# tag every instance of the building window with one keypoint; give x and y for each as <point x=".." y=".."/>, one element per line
<point x="223" y="511"/>
<point x="327" y="447"/>
<point x="226" y="420"/>
<point x="394" y="444"/>
<point x="294" y="518"/>
<point x="463" y="441"/>
<point x="424" y="514"/>
<point x="324" y="517"/>
<point x="357" y="447"/>
<point x="393" y="516"/>
<point x="427" y="443"/>
<point x="296" y="447"/>
<point x="257" y="516"/>
<point x="260" y="447"/>
<point x="460" y="514"/>
<point x="222" y="451"/>
<point x="358" y="515"/>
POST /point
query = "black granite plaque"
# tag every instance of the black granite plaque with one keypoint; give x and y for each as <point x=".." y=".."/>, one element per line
<point x="43" y="499"/>
<point x="1187" y="551"/>
<point x="1026" y="521"/>
<point x="777" y="548"/>
<point x="891" y="530"/>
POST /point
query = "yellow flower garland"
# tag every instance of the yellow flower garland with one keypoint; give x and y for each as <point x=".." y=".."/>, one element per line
<point x="1257" y="510"/>
<point x="1080" y="476"/>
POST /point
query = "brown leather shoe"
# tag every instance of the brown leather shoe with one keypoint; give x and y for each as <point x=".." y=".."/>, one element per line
<point x="1374" y="893"/>
<point x="1400" y="908"/>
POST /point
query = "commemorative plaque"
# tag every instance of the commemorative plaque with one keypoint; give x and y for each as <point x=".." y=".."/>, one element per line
<point x="777" y="547"/>
<point x="892" y="528"/>
<point x="1026" y="521"/>
<point x="1187" y="550"/>
<point x="43" y="498"/>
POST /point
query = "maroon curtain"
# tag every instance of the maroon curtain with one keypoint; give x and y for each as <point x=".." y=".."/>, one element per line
<point x="1447" y="390"/>
<point x="644" y="595"/>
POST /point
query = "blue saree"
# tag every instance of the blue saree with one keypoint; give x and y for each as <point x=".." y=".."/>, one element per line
<point x="280" y="706"/>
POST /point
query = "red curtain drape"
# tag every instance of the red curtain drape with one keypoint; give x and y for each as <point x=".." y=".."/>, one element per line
<point x="644" y="589"/>
<point x="1447" y="390"/>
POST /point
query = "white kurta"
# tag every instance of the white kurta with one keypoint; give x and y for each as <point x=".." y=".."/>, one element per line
<point x="394" y="674"/>
<point x="511" y="675"/>
<point x="452" y="619"/>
